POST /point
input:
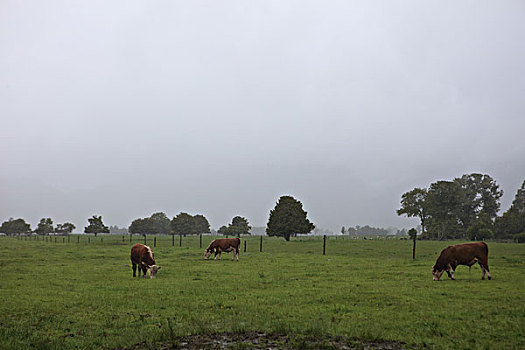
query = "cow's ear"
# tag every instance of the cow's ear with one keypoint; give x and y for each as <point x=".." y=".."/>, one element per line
<point x="158" y="267"/>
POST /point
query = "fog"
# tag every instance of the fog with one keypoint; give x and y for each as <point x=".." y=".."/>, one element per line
<point x="127" y="108"/>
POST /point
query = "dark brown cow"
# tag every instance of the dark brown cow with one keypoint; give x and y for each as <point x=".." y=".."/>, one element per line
<point x="223" y="245"/>
<point x="462" y="254"/>
<point x="142" y="256"/>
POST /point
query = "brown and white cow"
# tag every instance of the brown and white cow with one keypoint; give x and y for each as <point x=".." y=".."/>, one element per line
<point x="462" y="254"/>
<point x="223" y="245"/>
<point x="142" y="257"/>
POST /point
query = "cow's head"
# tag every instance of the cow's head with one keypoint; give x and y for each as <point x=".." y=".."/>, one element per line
<point x="207" y="254"/>
<point x="153" y="271"/>
<point x="436" y="273"/>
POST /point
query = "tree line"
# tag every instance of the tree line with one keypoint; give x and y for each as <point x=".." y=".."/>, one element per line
<point x="465" y="208"/>
<point x="286" y="219"/>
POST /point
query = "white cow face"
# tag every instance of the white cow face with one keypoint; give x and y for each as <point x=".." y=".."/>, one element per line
<point x="207" y="254"/>
<point x="436" y="275"/>
<point x="153" y="271"/>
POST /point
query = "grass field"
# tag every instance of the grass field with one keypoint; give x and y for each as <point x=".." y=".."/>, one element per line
<point x="80" y="295"/>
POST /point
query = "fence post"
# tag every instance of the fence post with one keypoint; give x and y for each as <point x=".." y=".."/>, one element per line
<point x="154" y="241"/>
<point x="144" y="239"/>
<point x="245" y="246"/>
<point x="324" y="244"/>
<point x="180" y="240"/>
<point x="89" y="239"/>
<point x="78" y="239"/>
<point x="130" y="235"/>
<point x="173" y="240"/>
<point x="68" y="237"/>
<point x="260" y="246"/>
<point x="122" y="238"/>
<point x="200" y="241"/>
<point x="63" y="239"/>
<point x="55" y="239"/>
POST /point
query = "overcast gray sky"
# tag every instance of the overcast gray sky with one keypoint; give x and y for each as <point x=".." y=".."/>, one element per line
<point x="126" y="108"/>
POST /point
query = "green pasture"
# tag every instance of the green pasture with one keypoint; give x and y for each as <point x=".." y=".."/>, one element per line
<point x="82" y="295"/>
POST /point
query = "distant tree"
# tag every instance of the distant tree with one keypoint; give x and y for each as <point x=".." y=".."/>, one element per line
<point x="239" y="226"/>
<point x="223" y="230"/>
<point x="182" y="224"/>
<point x="343" y="230"/>
<point x="480" y="196"/>
<point x="45" y="226"/>
<point x="159" y="223"/>
<point x="443" y="205"/>
<point x="201" y="224"/>
<point x="114" y="229"/>
<point x="14" y="226"/>
<point x="96" y="226"/>
<point x="413" y="205"/>
<point x="352" y="231"/>
<point x="65" y="228"/>
<point x="139" y="226"/>
<point x="287" y="218"/>
<point x="512" y="222"/>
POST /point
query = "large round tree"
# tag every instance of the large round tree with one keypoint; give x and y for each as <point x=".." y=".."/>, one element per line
<point x="288" y="218"/>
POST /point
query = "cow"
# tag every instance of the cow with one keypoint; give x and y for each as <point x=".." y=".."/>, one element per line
<point x="462" y="254"/>
<point x="142" y="257"/>
<point x="223" y="245"/>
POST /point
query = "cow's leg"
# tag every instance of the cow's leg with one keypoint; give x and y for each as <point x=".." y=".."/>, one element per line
<point x="134" y="268"/>
<point x="237" y="253"/>
<point x="484" y="268"/>
<point x="450" y="272"/>
<point x="220" y="254"/>
<point x="143" y="268"/>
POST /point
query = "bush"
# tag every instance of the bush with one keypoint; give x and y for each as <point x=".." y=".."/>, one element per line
<point x="520" y="237"/>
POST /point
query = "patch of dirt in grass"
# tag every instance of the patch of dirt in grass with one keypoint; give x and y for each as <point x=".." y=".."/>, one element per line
<point x="269" y="341"/>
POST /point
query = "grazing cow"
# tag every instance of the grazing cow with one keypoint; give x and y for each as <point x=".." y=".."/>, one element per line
<point x="142" y="257"/>
<point x="462" y="254"/>
<point x="223" y="245"/>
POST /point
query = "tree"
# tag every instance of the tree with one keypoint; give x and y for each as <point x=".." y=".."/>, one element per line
<point x="413" y="205"/>
<point x="13" y="226"/>
<point x="287" y="218"/>
<point x="443" y="206"/>
<point x="159" y="223"/>
<point x="65" y="228"/>
<point x="343" y="230"/>
<point x="512" y="222"/>
<point x="45" y="226"/>
<point x="239" y="226"/>
<point x="139" y="226"/>
<point x="201" y="224"/>
<point x="223" y="230"/>
<point x="480" y="199"/>
<point x="182" y="224"/>
<point x="96" y="226"/>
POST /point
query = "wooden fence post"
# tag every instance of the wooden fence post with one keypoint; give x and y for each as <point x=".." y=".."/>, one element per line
<point x="63" y="239"/>
<point x="89" y="239"/>
<point x="180" y="240"/>
<point x="122" y="238"/>
<point x="130" y="236"/>
<point x="200" y="241"/>
<point x="260" y="246"/>
<point x="154" y="241"/>
<point x="173" y="240"/>
<point x="144" y="239"/>
<point x="78" y="239"/>
<point x="245" y="246"/>
<point x="324" y="244"/>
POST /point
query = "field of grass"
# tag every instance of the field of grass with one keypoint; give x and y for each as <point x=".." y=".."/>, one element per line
<point x="80" y="295"/>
